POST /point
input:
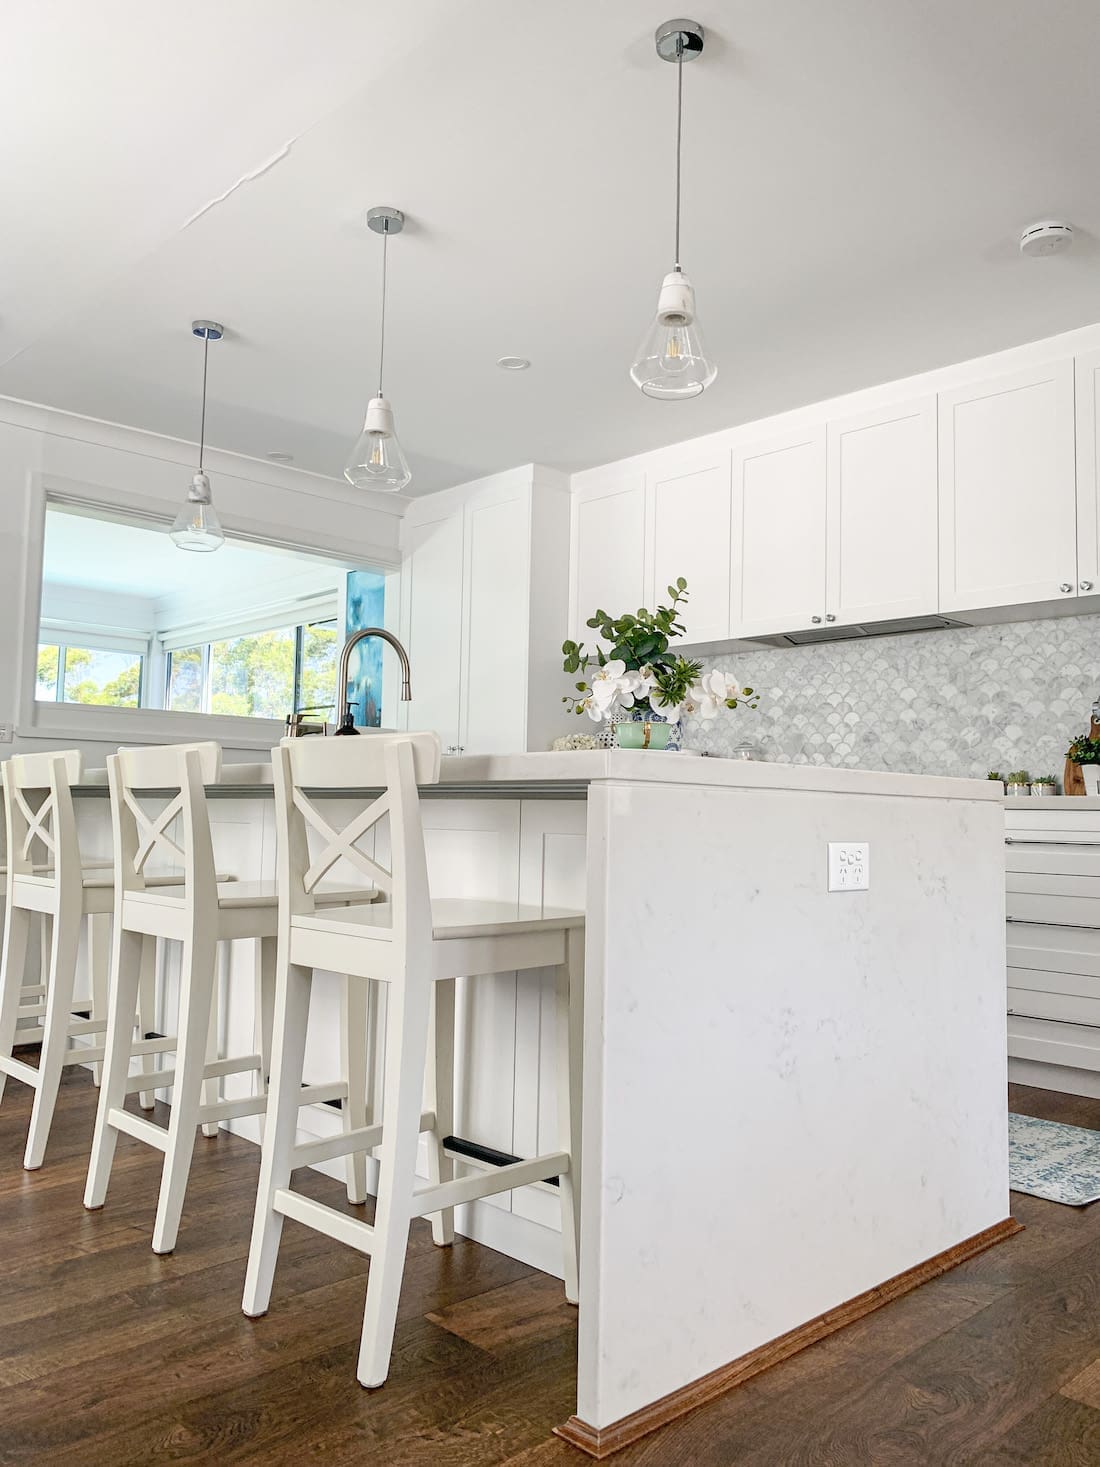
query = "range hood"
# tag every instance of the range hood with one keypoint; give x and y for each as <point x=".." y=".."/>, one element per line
<point x="857" y="631"/>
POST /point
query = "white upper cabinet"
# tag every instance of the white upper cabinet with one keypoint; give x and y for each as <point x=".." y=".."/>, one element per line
<point x="1088" y="472"/>
<point x="608" y="559"/>
<point x="688" y="506"/>
<point x="431" y="624"/>
<point x="1008" y="514"/>
<point x="778" y="534"/>
<point x="882" y="550"/>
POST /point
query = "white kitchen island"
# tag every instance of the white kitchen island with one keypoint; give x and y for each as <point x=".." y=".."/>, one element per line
<point x="794" y="1099"/>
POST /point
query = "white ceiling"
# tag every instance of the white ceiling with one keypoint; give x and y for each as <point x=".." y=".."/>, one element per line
<point x="856" y="174"/>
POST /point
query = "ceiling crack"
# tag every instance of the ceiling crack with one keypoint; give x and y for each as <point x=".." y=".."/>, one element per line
<point x="256" y="172"/>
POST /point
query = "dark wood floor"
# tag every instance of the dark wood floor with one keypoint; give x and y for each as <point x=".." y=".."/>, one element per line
<point x="114" y="1357"/>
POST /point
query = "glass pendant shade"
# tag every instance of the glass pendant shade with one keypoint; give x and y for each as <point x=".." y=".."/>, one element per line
<point x="672" y="361"/>
<point x="197" y="527"/>
<point x="377" y="461"/>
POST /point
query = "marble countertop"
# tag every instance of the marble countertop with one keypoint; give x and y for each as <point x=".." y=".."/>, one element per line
<point x="568" y="776"/>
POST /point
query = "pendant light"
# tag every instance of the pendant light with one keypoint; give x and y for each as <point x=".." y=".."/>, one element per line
<point x="377" y="460"/>
<point x="672" y="361"/>
<point x="197" y="527"/>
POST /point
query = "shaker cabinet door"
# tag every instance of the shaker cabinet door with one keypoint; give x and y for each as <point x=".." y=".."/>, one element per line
<point x="1008" y="513"/>
<point x="494" y="658"/>
<point x="608" y="540"/>
<point x="882" y="514"/>
<point x="778" y="566"/>
<point x="689" y="517"/>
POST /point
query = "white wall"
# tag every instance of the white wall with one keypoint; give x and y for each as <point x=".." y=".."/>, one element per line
<point x="43" y="450"/>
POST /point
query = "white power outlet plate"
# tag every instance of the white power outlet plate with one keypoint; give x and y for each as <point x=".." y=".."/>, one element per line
<point x="849" y="865"/>
<point x="7" y="733"/>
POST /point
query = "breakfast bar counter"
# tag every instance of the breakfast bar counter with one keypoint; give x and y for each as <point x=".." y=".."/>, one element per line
<point x="793" y="1098"/>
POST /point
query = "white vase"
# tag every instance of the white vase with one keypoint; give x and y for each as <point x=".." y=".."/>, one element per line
<point x="1090" y="773"/>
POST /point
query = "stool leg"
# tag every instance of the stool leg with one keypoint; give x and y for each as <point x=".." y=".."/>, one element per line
<point x="197" y="981"/>
<point x="147" y="1010"/>
<point x="12" y="966"/>
<point x="211" y="1089"/>
<point x="408" y="1003"/>
<point x="99" y="962"/>
<point x="122" y="996"/>
<point x="441" y="1100"/>
<point x="267" y="954"/>
<point x="292" y="991"/>
<point x="353" y="1043"/>
<point x="570" y="993"/>
<point x="55" y="1033"/>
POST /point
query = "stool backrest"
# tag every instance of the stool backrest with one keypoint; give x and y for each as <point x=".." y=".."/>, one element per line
<point x="171" y="778"/>
<point x="310" y="845"/>
<point x="38" y="814"/>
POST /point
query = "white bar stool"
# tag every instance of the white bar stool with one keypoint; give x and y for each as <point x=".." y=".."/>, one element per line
<point x="417" y="948"/>
<point x="46" y="874"/>
<point x="199" y="913"/>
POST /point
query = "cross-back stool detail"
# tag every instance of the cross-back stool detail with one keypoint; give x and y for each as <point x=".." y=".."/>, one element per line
<point x="418" y="952"/>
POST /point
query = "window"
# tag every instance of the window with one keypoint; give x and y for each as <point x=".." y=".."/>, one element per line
<point x="88" y="675"/>
<point x="259" y="675"/>
<point x="127" y="621"/>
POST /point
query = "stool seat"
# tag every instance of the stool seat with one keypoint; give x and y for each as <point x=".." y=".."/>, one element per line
<point x="234" y="895"/>
<point x="453" y="918"/>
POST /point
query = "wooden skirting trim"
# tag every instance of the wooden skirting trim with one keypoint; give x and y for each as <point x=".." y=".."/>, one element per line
<point x="600" y="1442"/>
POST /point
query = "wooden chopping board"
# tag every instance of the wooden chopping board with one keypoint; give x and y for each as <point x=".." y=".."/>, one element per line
<point x="1073" y="781"/>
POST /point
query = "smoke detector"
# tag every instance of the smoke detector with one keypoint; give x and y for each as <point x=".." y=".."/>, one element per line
<point x="1047" y="238"/>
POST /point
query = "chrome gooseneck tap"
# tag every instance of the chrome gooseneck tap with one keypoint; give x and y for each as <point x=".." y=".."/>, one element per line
<point x="347" y="721"/>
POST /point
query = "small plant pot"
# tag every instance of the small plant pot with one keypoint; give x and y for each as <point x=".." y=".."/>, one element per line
<point x="1043" y="790"/>
<point x="1090" y="773"/>
<point x="1019" y="789"/>
<point x="643" y="735"/>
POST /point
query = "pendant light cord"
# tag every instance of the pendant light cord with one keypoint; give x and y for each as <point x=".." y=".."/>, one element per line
<point x="382" y="329"/>
<point x="679" y="133"/>
<point x="202" y="419"/>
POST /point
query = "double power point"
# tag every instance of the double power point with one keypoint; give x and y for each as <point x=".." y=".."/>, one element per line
<point x="849" y="865"/>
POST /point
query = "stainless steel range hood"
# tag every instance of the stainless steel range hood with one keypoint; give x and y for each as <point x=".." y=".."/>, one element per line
<point x="857" y="631"/>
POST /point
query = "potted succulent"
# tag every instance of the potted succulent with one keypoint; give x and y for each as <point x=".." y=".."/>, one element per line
<point x="642" y="678"/>
<point x="1019" y="782"/>
<point x="1044" y="784"/>
<point x="1085" y="751"/>
<point x="998" y="776"/>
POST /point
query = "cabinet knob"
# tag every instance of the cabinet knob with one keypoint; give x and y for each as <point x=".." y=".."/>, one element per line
<point x="829" y="616"/>
<point x="1066" y="587"/>
<point x="1086" y="585"/>
<point x="815" y="619"/>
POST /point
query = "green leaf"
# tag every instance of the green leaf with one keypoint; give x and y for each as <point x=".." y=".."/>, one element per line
<point x="681" y="584"/>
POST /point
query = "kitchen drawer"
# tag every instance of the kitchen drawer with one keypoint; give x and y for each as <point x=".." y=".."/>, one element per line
<point x="1054" y="1043"/>
<point x="1069" y="998"/>
<point x="1051" y="859"/>
<point x="1032" y="906"/>
<point x="1042" y="823"/>
<point x="1038" y="883"/>
<point x="1036" y="946"/>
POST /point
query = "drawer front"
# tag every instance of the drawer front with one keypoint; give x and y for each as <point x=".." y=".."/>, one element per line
<point x="1056" y="950"/>
<point x="1038" y="823"/>
<point x="1028" y="906"/>
<point x="1062" y="1003"/>
<point x="1054" y="1043"/>
<point x="1039" y="858"/>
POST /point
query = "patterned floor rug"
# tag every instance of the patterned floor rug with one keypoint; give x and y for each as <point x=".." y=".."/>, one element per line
<point x="1047" y="1159"/>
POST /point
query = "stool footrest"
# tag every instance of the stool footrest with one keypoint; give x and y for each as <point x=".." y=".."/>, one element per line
<point x="231" y="1110"/>
<point x="344" y="1143"/>
<point x="18" y="1070"/>
<point x="85" y="1055"/>
<point x="139" y="1128"/>
<point x="338" y="1225"/>
<point x="487" y="1184"/>
<point x="238" y="1066"/>
<point x="27" y="1037"/>
<point x="31" y="1010"/>
<point x="321" y="1094"/>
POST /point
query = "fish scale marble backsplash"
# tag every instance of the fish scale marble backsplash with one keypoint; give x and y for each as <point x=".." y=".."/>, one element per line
<point x="959" y="702"/>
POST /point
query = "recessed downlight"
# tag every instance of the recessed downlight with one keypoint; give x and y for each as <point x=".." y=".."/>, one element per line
<point x="281" y="458"/>
<point x="513" y="364"/>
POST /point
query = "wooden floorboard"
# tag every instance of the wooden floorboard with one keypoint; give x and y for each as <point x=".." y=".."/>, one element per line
<point x="113" y="1357"/>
